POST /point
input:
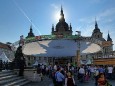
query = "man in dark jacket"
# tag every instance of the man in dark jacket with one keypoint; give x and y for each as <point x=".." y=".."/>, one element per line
<point x="21" y="66"/>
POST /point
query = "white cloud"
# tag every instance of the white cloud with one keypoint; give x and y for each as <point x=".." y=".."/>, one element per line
<point x="105" y="16"/>
<point x="107" y="13"/>
<point x="55" y="6"/>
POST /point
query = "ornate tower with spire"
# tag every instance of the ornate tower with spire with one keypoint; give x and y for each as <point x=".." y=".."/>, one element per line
<point x="97" y="33"/>
<point x="62" y="28"/>
<point x="109" y="39"/>
<point x="107" y="46"/>
<point x="62" y="19"/>
<point x="52" y="28"/>
<point x="30" y="34"/>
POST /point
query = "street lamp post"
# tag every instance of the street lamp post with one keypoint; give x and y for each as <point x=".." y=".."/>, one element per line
<point x="78" y="50"/>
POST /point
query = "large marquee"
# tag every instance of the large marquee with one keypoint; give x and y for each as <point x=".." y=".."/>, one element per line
<point x="59" y="48"/>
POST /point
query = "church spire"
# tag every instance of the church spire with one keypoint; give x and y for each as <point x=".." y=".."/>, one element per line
<point x="109" y="38"/>
<point x="70" y="27"/>
<point x="30" y="34"/>
<point x="61" y="10"/>
<point x="52" y="27"/>
<point x="31" y="29"/>
<point x="96" y="25"/>
<point x="96" y="32"/>
<point x="62" y="15"/>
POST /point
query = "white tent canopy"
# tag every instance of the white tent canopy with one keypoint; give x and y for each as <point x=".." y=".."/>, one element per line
<point x="59" y="48"/>
<point x="4" y="58"/>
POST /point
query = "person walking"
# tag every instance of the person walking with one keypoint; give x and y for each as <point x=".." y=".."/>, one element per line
<point x="96" y="75"/>
<point x="21" y="66"/>
<point x="60" y="78"/>
<point x="81" y="73"/>
<point x="69" y="81"/>
<point x="110" y="71"/>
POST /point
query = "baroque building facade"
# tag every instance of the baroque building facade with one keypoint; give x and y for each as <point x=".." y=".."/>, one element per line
<point x="62" y="28"/>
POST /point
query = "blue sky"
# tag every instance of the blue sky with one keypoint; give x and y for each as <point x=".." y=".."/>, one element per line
<point x="16" y="17"/>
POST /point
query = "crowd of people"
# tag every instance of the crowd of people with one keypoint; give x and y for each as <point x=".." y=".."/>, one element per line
<point x="69" y="75"/>
<point x="4" y="65"/>
<point x="100" y="74"/>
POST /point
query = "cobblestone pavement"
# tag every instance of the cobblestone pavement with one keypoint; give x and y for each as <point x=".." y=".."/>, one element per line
<point x="48" y="82"/>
